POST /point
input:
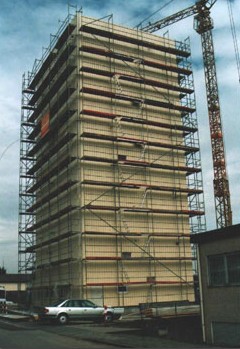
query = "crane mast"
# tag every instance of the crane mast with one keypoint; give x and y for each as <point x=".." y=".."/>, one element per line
<point x="203" y="25"/>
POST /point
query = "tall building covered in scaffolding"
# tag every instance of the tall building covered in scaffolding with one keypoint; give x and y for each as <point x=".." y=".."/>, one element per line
<point x="110" y="172"/>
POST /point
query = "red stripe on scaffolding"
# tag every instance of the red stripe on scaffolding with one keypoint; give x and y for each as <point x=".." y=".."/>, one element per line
<point x="140" y="79"/>
<point x="102" y="258"/>
<point x="95" y="113"/>
<point x="185" y="148"/>
<point x="122" y="57"/>
<point x="99" y="113"/>
<point x="189" y="191"/>
<point x="138" y="283"/>
<point x="113" y="35"/>
<point x="147" y="101"/>
<point x="186" y="169"/>
<point x="89" y="232"/>
<point x="191" y="213"/>
<point x="112" y="258"/>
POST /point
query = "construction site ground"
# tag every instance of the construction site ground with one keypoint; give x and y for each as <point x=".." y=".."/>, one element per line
<point x="130" y="332"/>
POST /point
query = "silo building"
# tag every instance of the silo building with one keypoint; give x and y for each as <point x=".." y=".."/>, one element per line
<point x="110" y="171"/>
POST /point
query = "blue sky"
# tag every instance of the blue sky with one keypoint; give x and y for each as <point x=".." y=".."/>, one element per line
<point x="25" y="28"/>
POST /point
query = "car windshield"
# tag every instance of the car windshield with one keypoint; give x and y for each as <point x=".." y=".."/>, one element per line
<point x="57" y="303"/>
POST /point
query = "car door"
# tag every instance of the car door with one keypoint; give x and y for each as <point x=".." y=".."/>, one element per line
<point x="91" y="310"/>
<point x="78" y="311"/>
<point x="69" y="309"/>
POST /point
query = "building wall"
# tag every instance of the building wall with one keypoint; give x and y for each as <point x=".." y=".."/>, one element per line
<point x="220" y="304"/>
<point x="14" y="286"/>
<point x="116" y="176"/>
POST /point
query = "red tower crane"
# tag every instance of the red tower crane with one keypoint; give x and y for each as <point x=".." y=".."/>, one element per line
<point x="203" y="24"/>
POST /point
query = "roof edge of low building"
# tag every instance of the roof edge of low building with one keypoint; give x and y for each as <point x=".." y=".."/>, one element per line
<point x="212" y="235"/>
<point x="15" y="278"/>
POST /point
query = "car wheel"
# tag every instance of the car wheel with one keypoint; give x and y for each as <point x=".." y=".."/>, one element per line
<point x="109" y="317"/>
<point x="62" y="319"/>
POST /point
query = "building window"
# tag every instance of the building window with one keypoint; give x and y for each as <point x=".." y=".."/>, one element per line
<point x="126" y="255"/>
<point x="122" y="157"/>
<point x="122" y="289"/>
<point x="224" y="269"/>
<point x="217" y="270"/>
<point x="233" y="265"/>
<point x="151" y="279"/>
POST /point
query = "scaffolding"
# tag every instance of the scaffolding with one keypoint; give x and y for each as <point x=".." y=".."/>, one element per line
<point x="110" y="175"/>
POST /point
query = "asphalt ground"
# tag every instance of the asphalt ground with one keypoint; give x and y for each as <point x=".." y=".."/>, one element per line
<point x="125" y="333"/>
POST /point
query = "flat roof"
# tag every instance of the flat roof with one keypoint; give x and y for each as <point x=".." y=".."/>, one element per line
<point x="217" y="234"/>
<point x="15" y="278"/>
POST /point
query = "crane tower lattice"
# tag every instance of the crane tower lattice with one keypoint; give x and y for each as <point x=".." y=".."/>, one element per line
<point x="203" y="24"/>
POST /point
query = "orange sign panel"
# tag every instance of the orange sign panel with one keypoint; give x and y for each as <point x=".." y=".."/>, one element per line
<point x="45" y="122"/>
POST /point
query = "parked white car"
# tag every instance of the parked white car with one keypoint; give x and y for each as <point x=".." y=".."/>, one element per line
<point x="79" y="309"/>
